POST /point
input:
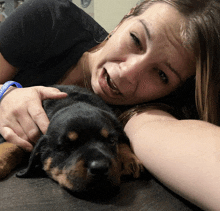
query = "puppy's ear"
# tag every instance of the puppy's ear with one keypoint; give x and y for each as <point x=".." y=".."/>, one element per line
<point x="117" y="126"/>
<point x="34" y="167"/>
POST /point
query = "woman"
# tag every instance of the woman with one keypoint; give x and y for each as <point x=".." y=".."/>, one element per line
<point x="151" y="56"/>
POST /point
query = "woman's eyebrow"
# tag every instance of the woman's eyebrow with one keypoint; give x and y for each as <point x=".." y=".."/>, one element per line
<point x="143" y="22"/>
<point x="174" y="71"/>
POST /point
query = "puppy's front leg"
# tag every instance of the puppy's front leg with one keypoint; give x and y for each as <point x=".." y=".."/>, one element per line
<point x="10" y="156"/>
<point x="131" y="165"/>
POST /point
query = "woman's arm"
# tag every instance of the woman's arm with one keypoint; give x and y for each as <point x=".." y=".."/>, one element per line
<point x="7" y="71"/>
<point x="182" y="154"/>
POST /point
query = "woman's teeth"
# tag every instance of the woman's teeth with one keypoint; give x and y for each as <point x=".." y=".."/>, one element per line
<point x="111" y="84"/>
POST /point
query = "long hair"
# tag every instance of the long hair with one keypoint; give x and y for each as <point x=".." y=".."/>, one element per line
<point x="200" y="35"/>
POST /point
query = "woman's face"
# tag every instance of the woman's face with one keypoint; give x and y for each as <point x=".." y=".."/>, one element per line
<point x="144" y="59"/>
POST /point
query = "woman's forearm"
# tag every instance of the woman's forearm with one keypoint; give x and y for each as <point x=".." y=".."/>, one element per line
<point x="7" y="71"/>
<point x="182" y="154"/>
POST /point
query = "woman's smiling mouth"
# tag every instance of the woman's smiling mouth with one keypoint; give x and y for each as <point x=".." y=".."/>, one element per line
<point x="111" y="83"/>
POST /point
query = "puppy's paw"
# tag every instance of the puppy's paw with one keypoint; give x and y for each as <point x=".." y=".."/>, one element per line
<point x="10" y="156"/>
<point x="131" y="165"/>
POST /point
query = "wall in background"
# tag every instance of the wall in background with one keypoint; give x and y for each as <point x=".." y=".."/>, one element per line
<point x="107" y="13"/>
<point x="86" y="5"/>
<point x="7" y="7"/>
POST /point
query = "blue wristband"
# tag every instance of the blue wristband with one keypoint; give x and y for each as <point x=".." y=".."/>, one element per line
<point x="6" y="85"/>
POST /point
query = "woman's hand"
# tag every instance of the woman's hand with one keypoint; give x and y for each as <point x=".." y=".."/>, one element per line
<point x="22" y="117"/>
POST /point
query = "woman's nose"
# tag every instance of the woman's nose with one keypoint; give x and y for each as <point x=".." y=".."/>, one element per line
<point x="132" y="73"/>
<point x="132" y="68"/>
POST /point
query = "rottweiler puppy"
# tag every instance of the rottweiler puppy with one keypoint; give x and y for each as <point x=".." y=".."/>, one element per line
<point x="85" y="148"/>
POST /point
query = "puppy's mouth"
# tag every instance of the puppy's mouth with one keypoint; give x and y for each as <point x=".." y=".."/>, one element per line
<point x="111" y="84"/>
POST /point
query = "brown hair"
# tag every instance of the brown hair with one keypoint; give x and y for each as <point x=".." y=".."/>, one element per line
<point x="201" y="35"/>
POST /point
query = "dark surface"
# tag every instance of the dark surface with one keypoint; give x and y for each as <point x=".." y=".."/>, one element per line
<point x="44" y="194"/>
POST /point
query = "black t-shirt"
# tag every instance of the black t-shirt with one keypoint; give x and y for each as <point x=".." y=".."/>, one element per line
<point x="44" y="38"/>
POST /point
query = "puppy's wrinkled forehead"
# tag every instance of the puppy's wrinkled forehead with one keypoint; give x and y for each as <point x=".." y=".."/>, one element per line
<point x="74" y="135"/>
<point x="82" y="123"/>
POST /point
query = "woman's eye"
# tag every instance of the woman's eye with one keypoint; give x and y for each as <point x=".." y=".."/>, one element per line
<point x="135" y="40"/>
<point x="163" y="77"/>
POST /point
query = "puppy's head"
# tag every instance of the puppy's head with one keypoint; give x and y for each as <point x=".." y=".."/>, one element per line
<point x="80" y="150"/>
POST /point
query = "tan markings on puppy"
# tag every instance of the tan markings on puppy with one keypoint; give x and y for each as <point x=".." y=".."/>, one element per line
<point x="79" y="170"/>
<point x="131" y="165"/>
<point x="104" y="133"/>
<point x="47" y="164"/>
<point x="10" y="156"/>
<point x="55" y="171"/>
<point x="114" y="172"/>
<point x="61" y="177"/>
<point x="69" y="178"/>
<point x="73" y="136"/>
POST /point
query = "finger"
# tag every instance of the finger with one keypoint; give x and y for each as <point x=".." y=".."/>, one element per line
<point x="39" y="117"/>
<point x="30" y="129"/>
<point x="50" y="93"/>
<point x="11" y="137"/>
<point x="15" y="127"/>
<point x="36" y="110"/>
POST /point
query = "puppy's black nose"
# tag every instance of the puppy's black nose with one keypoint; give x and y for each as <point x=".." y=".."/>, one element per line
<point x="99" y="167"/>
